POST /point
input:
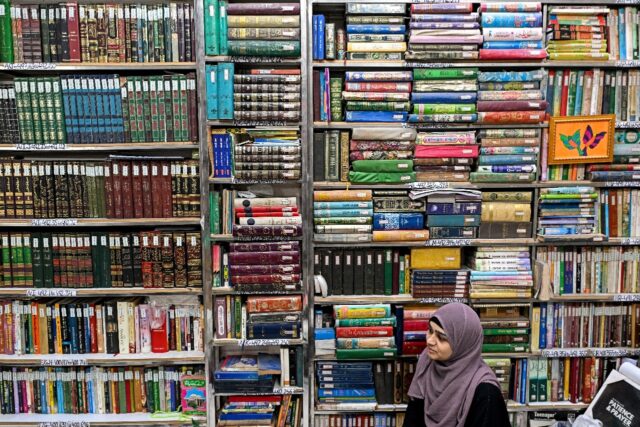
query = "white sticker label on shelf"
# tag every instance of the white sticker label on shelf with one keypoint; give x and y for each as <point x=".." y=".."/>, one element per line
<point x="64" y="362"/>
<point x="59" y="222"/>
<point x="52" y="292"/>
<point x="65" y="424"/>
<point x="448" y="242"/>
<point x="628" y="125"/>
<point x="29" y="66"/>
<point x="430" y="185"/>
<point x="40" y="147"/>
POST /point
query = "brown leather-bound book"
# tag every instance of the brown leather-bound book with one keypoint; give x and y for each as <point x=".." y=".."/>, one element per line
<point x="146" y="259"/>
<point x="180" y="260"/>
<point x="156" y="260"/>
<point x="147" y="199"/>
<point x="126" y="189"/>
<point x="116" y="183"/>
<point x="194" y="260"/>
<point x="156" y="190"/>
<point x="165" y="174"/>
<point x="73" y="28"/>
<point x="168" y="269"/>
<point x="108" y="192"/>
<point x="137" y="190"/>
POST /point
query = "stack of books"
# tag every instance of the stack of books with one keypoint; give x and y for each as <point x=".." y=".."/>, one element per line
<point x="345" y="383"/>
<point x="444" y="156"/>
<point x="257" y="95"/>
<point x="438" y="273"/>
<point x="568" y="212"/>
<point x="512" y="31"/>
<point x="278" y="217"/>
<point x="325" y="342"/>
<point x="274" y="317"/>
<point x="366" y="339"/>
<point x="263" y="267"/>
<point x="261" y="29"/>
<point x="393" y="207"/>
<point x="501" y="273"/>
<point x="247" y="374"/>
<point x="506" y="215"/>
<point x="389" y="91"/>
<point x="252" y="410"/>
<point x="578" y="33"/>
<point x="375" y="39"/>
<point x="444" y="95"/>
<point x="509" y="103"/>
<point x="504" y="322"/>
<point x="443" y="31"/>
<point x="343" y="216"/>
<point x="454" y="214"/>
<point x="625" y="151"/>
<point x="413" y="322"/>
<point x="502" y="369"/>
<point x="507" y="155"/>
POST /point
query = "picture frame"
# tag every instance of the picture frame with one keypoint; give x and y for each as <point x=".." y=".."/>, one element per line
<point x="581" y="139"/>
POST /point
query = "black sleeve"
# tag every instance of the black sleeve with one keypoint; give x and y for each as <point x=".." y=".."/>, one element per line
<point x="488" y="408"/>
<point x="414" y="417"/>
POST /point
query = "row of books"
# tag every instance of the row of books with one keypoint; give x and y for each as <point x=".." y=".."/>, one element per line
<point x="258" y="317"/>
<point x="252" y="29"/>
<point x="93" y="390"/>
<point x="377" y="419"/>
<point x="72" y="32"/>
<point x="125" y="187"/>
<point x="256" y="154"/>
<point x="259" y="373"/>
<point x="101" y="259"/>
<point x="281" y="411"/>
<point x="100" y="326"/>
<point x="99" y="109"/>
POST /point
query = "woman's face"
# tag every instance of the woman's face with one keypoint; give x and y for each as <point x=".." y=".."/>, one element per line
<point x="438" y="347"/>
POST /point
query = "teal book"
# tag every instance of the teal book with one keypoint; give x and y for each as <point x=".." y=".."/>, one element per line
<point x="577" y="107"/>
<point x="223" y="28"/>
<point x="225" y="90"/>
<point x="212" y="27"/>
<point x="453" y="220"/>
<point x="365" y="353"/>
<point x="264" y="48"/>
<point x="211" y="73"/>
<point x="388" y="272"/>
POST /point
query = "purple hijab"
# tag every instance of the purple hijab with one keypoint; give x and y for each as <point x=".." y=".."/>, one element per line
<point x="448" y="387"/>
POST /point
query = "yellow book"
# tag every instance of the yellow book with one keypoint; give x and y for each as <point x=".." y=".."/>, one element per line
<point x="400" y="235"/>
<point x="179" y="315"/>
<point x="123" y="327"/>
<point x="100" y="327"/>
<point x="407" y="274"/>
<point x="566" y="56"/>
<point x="342" y="195"/>
<point x="436" y="258"/>
<point x="505" y="212"/>
<point x="58" y="328"/>
<point x="131" y="307"/>
<point x="376" y="47"/>
<point x="567" y="373"/>
<point x="267" y="21"/>
<point x="43" y="326"/>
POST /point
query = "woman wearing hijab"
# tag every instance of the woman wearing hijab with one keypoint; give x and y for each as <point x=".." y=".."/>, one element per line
<point x="452" y="386"/>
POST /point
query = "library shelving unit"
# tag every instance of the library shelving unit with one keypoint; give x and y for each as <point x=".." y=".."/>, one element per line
<point x="334" y="11"/>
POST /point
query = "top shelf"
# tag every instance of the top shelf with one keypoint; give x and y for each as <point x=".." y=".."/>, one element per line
<point x="96" y="66"/>
<point x="483" y="64"/>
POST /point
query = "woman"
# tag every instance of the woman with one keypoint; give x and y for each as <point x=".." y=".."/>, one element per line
<point x="452" y="386"/>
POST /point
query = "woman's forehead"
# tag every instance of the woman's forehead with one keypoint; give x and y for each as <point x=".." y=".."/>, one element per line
<point x="436" y="327"/>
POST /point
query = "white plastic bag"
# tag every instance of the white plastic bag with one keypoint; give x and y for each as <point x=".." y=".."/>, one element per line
<point x="586" y="421"/>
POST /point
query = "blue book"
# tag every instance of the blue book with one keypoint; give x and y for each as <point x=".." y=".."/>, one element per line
<point x="211" y="76"/>
<point x="462" y="208"/>
<point x="223" y="27"/>
<point x="98" y="94"/>
<point x="225" y="90"/>
<point x="400" y="325"/>
<point x="444" y="97"/>
<point x="506" y="159"/>
<point x="511" y="20"/>
<point x="342" y="205"/>
<point x="398" y="221"/>
<point x="376" y="29"/>
<point x="321" y="46"/>
<point x="354" y="392"/>
<point x="245" y="416"/>
<point x="227" y="149"/>
<point x="453" y="220"/>
<point x="614" y="176"/>
<point x="238" y="376"/>
<point x="315" y="37"/>
<point x="543" y="325"/>
<point x="511" y="168"/>
<point x="513" y="45"/>
<point x="376" y="116"/>
<point x="323" y="97"/>
<point x="66" y="104"/>
<point x="324" y="333"/>
<point x="622" y="37"/>
<point x="116" y="100"/>
<point x="73" y="328"/>
<point x="523" y="380"/>
<point x="275" y="330"/>
<point x="330" y="213"/>
<point x="511" y="76"/>
<point x="269" y="363"/>
<point x="577" y="105"/>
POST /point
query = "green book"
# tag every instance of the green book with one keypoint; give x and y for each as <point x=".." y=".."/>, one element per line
<point x="211" y="27"/>
<point x="122" y="392"/>
<point x="27" y="261"/>
<point x="47" y="261"/>
<point x="264" y="48"/>
<point x="533" y="379"/>
<point x="377" y="106"/>
<point x="444" y="108"/>
<point x="58" y="111"/>
<point x="383" y="321"/>
<point x="6" y="34"/>
<point x="34" y="95"/>
<point x="214" y="212"/>
<point x="505" y="331"/>
<point x="17" y="261"/>
<point x="238" y="316"/>
<point x="223" y="27"/>
<point x="444" y="73"/>
<point x="382" y="165"/>
<point x="365" y="353"/>
<point x="36" y="260"/>
<point x="388" y="272"/>
<point x="543" y="365"/>
<point x="573" y="87"/>
<point x="335" y="97"/>
<point x="156" y="392"/>
<point x="505" y="348"/>
<point x="382" y="177"/>
<point x="501" y="177"/>
<point x="557" y="91"/>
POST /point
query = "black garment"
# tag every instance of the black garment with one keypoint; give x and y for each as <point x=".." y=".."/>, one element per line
<point x="487" y="409"/>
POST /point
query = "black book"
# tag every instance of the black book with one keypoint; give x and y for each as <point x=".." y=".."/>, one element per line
<point x="378" y="376"/>
<point x="378" y="286"/>
<point x="369" y="272"/>
<point x="318" y="156"/>
<point x="388" y="382"/>
<point x="64" y="327"/>
<point x="111" y="321"/>
<point x="80" y="326"/>
<point x="336" y="273"/>
<point x="358" y="272"/>
<point x="326" y="267"/>
<point x="347" y="272"/>
<point x="127" y="261"/>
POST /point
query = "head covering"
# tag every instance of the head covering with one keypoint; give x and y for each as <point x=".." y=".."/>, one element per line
<point x="448" y="387"/>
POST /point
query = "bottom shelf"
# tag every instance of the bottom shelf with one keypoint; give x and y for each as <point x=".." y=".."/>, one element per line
<point x="85" y="420"/>
<point x="329" y="409"/>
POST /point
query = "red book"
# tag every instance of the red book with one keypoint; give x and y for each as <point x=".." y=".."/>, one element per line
<point x="93" y="325"/>
<point x="262" y="304"/>
<point x="116" y="182"/>
<point x="147" y="200"/>
<point x="127" y="189"/>
<point x="511" y="117"/>
<point x="513" y="54"/>
<point x="416" y="325"/>
<point x="439" y="151"/>
<point x="266" y="214"/>
<point x="266" y="278"/>
<point x="137" y="192"/>
<point x="586" y="379"/>
<point x="158" y="326"/>
<point x="613" y="212"/>
<point x="156" y="190"/>
<point x="565" y="93"/>
<point x="167" y="206"/>
<point x="285" y="257"/>
<point x="127" y="388"/>
<point x="73" y="28"/>
<point x="413" y="347"/>
<point x="108" y="192"/>
<point x="172" y="328"/>
<point x="364" y="331"/>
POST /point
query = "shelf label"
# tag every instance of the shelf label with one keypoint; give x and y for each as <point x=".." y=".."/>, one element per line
<point x="249" y="123"/>
<point x="448" y="242"/>
<point x="628" y="125"/>
<point x="286" y="390"/>
<point x="578" y="352"/>
<point x="64" y="362"/>
<point x="34" y="66"/>
<point x="429" y="64"/>
<point x="629" y="63"/>
<point x="442" y="300"/>
<point x="627" y="1"/>
<point x="621" y="184"/>
<point x="41" y="147"/>
<point x="431" y="185"/>
<point x="626" y="297"/>
<point x="614" y="352"/>
<point x="65" y="424"/>
<point x="259" y="343"/>
<point x="630" y="241"/>
<point x="263" y="59"/>
<point x="58" y="222"/>
<point x="52" y="293"/>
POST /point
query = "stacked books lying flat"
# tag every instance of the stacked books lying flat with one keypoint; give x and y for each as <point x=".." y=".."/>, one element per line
<point x="268" y="411"/>
<point x="505" y="326"/>
<point x="507" y="101"/>
<point x="262" y="267"/>
<point x="265" y="317"/>
<point x="624" y="36"/>
<point x="257" y="373"/>
<point x="397" y="217"/>
<point x="453" y="214"/>
<point x="506" y="215"/>
<point x="444" y="156"/>
<point x="413" y="324"/>
<point x="578" y="33"/>
<point x="501" y="273"/>
<point x="325" y="344"/>
<point x="105" y="326"/>
<point x="443" y="31"/>
<point x="102" y="109"/>
<point x="256" y="154"/>
<point x="507" y="155"/>
<point x="568" y="212"/>
<point x="342" y="383"/>
<point x="438" y="273"/>
<point x="502" y="370"/>
<point x="96" y="390"/>
<point x="617" y="215"/>
<point x="377" y="419"/>
<point x="626" y="159"/>
<point x="590" y="270"/>
<point x="150" y="259"/>
<point x="113" y="33"/>
<point x="580" y="325"/>
<point x="260" y="216"/>
<point x="361" y="331"/>
<point x="377" y="96"/>
<point x="363" y="272"/>
<point x="512" y="31"/>
<point x="337" y="226"/>
<point x="444" y="95"/>
<point x="372" y="40"/>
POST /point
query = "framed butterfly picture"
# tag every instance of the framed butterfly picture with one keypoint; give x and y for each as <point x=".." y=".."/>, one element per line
<point x="581" y="139"/>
